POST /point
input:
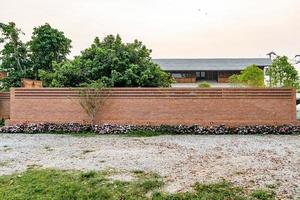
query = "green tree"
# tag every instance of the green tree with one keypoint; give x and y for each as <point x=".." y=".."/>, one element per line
<point x="48" y="45"/>
<point x="112" y="62"/>
<point x="251" y="76"/>
<point x="13" y="56"/>
<point x="64" y="74"/>
<point x="283" y="74"/>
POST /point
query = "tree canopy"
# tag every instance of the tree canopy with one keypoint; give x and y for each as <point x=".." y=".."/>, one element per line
<point x="48" y="45"/>
<point x="251" y="76"/>
<point x="112" y="62"/>
<point x="23" y="60"/>
<point x="14" y="57"/>
<point x="283" y="74"/>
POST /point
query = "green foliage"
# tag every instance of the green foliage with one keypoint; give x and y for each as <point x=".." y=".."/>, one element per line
<point x="234" y="79"/>
<point x="263" y="194"/>
<point x="22" y="60"/>
<point x="14" y="79"/>
<point x="2" y="122"/>
<point x="204" y="84"/>
<point x="57" y="185"/>
<point x="111" y="62"/>
<point x="65" y="74"/>
<point x="14" y="56"/>
<point x="145" y="133"/>
<point x="251" y="76"/>
<point x="283" y="74"/>
<point x="48" y="45"/>
<point x="218" y="191"/>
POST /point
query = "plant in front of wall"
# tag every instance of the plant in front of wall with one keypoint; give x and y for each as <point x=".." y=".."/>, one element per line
<point x="204" y="84"/>
<point x="92" y="99"/>
<point x="2" y="122"/>
<point x="251" y="76"/>
<point x="283" y="74"/>
<point x="148" y="130"/>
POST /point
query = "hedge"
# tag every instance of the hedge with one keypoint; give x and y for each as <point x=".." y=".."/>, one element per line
<point x="167" y="129"/>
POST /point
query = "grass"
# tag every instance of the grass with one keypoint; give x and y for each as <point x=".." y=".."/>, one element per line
<point x="66" y="185"/>
<point x="146" y="133"/>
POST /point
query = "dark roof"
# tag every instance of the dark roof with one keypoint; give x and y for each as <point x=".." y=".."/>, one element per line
<point x="218" y="64"/>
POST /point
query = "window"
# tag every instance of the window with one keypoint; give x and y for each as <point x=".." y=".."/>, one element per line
<point x="182" y="75"/>
<point x="176" y="75"/>
<point x="202" y="75"/>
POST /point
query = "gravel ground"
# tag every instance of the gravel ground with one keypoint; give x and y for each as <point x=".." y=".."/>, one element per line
<point x="249" y="161"/>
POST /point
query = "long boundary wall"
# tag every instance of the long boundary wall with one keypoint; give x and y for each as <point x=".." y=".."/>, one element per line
<point x="158" y="106"/>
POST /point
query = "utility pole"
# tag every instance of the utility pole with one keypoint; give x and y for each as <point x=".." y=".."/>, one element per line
<point x="297" y="58"/>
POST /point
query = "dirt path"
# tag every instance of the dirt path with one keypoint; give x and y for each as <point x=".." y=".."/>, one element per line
<point x="250" y="161"/>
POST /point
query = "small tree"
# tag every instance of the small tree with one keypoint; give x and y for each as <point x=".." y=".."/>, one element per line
<point x="283" y="74"/>
<point x="251" y="76"/>
<point x="92" y="99"/>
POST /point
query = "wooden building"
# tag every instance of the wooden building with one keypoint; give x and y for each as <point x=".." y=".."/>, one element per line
<point x="218" y="70"/>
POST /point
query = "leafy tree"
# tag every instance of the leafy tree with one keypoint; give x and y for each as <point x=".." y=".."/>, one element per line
<point x="111" y="62"/>
<point x="65" y="74"/>
<point x="14" y="56"/>
<point x="251" y="76"/>
<point x="283" y="74"/>
<point x="48" y="45"/>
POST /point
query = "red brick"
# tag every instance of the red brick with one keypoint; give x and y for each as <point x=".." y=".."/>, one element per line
<point x="159" y="106"/>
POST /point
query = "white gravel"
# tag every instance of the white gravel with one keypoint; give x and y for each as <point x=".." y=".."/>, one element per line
<point x="249" y="161"/>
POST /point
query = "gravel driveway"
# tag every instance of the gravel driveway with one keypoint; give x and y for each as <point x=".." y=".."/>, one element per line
<point x="250" y="161"/>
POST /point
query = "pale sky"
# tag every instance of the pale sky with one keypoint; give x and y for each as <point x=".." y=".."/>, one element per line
<point x="171" y="28"/>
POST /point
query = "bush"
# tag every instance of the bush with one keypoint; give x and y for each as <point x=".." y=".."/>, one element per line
<point x="107" y="129"/>
<point x="2" y="122"/>
<point x="251" y="76"/>
<point x="204" y="84"/>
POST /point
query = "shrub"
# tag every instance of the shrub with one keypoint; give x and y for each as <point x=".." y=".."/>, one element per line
<point x="204" y="84"/>
<point x="2" y="122"/>
<point x="71" y="128"/>
<point x="251" y="76"/>
<point x="92" y="99"/>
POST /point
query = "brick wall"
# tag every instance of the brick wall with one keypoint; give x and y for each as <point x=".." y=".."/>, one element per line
<point x="4" y="105"/>
<point x="223" y="77"/>
<point x="29" y="83"/>
<point x="3" y="75"/>
<point x="159" y="106"/>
